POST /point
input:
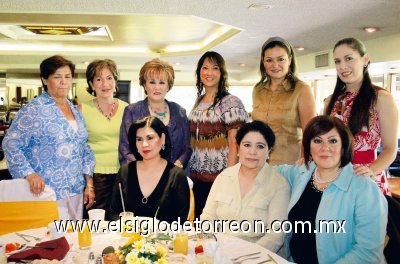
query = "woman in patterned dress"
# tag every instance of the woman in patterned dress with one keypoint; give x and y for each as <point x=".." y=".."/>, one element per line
<point x="368" y="110"/>
<point x="47" y="142"/>
<point x="213" y="123"/>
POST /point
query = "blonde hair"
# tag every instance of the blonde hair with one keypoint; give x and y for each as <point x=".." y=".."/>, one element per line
<point x="155" y="68"/>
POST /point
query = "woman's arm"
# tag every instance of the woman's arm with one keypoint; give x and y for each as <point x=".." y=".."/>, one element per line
<point x="124" y="152"/>
<point x="17" y="142"/>
<point x="182" y="193"/>
<point x="116" y="204"/>
<point x="185" y="141"/>
<point x="277" y="211"/>
<point x="235" y="116"/>
<point x="89" y="193"/>
<point x="388" y="119"/>
<point x="370" y="221"/>
<point x="210" y="209"/>
<point x="233" y="148"/>
<point x="306" y="107"/>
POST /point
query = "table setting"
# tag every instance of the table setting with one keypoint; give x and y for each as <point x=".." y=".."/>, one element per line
<point x="226" y="250"/>
<point x="132" y="246"/>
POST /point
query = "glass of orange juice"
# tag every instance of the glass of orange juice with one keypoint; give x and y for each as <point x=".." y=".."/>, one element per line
<point x="181" y="243"/>
<point x="84" y="236"/>
<point x="127" y="225"/>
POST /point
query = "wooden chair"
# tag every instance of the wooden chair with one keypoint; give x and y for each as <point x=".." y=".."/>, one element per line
<point x="394" y="183"/>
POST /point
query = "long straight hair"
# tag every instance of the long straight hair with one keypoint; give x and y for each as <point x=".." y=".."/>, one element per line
<point x="359" y="115"/>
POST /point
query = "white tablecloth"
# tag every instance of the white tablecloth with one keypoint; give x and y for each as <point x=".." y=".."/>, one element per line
<point x="229" y="247"/>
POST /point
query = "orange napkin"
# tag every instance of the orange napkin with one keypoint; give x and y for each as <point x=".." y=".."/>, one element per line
<point x="61" y="249"/>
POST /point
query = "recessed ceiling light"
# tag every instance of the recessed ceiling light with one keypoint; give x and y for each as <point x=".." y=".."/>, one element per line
<point x="177" y="63"/>
<point x="370" y="29"/>
<point x="242" y="65"/>
<point x="85" y="62"/>
<point x="299" y="48"/>
<point x="258" y="6"/>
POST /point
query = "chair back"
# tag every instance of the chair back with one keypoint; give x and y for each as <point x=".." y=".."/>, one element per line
<point x="392" y="248"/>
<point x="20" y="209"/>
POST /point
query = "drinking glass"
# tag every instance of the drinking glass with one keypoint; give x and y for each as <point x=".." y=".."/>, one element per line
<point x="127" y="224"/>
<point x="181" y="243"/>
<point x="84" y="236"/>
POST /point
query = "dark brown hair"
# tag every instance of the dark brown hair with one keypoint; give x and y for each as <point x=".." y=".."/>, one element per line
<point x="216" y="58"/>
<point x="278" y="42"/>
<point x="50" y="65"/>
<point x="321" y="125"/>
<point x="95" y="67"/>
<point x="359" y="115"/>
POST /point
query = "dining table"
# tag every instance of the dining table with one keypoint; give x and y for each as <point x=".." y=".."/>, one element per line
<point x="230" y="250"/>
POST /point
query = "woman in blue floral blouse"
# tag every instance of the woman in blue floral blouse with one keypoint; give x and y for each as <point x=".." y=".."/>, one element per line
<point x="47" y="142"/>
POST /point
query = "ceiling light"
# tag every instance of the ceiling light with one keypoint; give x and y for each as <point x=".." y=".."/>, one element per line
<point x="242" y="65"/>
<point x="259" y="6"/>
<point x="85" y="62"/>
<point x="299" y="48"/>
<point x="177" y="63"/>
<point x="370" y="29"/>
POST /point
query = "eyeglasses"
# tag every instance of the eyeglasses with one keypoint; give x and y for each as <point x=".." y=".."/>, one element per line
<point x="342" y="103"/>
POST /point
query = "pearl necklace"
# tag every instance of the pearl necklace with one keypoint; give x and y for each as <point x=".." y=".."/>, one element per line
<point x="109" y="115"/>
<point x="316" y="179"/>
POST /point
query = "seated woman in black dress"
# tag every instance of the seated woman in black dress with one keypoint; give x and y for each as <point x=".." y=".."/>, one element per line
<point x="151" y="185"/>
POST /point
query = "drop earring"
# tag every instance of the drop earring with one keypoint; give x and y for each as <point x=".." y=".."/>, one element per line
<point x="163" y="146"/>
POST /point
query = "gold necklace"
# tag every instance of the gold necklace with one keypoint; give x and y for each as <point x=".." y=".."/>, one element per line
<point x="109" y="115"/>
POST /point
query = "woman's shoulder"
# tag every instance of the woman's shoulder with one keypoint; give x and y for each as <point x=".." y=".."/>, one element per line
<point x="176" y="108"/>
<point x="301" y="86"/>
<point x="175" y="171"/>
<point x="228" y="173"/>
<point x="122" y="103"/>
<point x="137" y="105"/>
<point x="385" y="101"/>
<point x="231" y="101"/>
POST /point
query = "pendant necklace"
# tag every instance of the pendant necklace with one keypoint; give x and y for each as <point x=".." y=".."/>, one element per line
<point x="109" y="115"/>
<point x="144" y="200"/>
<point x="161" y="115"/>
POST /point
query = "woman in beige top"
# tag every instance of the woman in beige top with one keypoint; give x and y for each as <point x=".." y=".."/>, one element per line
<point x="282" y="101"/>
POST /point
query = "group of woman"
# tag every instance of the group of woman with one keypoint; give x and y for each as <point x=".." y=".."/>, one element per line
<point x="157" y="146"/>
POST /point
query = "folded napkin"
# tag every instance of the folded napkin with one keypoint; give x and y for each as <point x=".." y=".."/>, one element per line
<point x="61" y="248"/>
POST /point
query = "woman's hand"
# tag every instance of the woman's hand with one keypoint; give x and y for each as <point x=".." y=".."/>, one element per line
<point x="36" y="183"/>
<point x="89" y="193"/>
<point x="300" y="161"/>
<point x="363" y="170"/>
<point x="178" y="164"/>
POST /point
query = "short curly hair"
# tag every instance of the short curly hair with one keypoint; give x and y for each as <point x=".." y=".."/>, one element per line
<point x="155" y="68"/>
<point x="95" y="67"/>
<point x="50" y="65"/>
